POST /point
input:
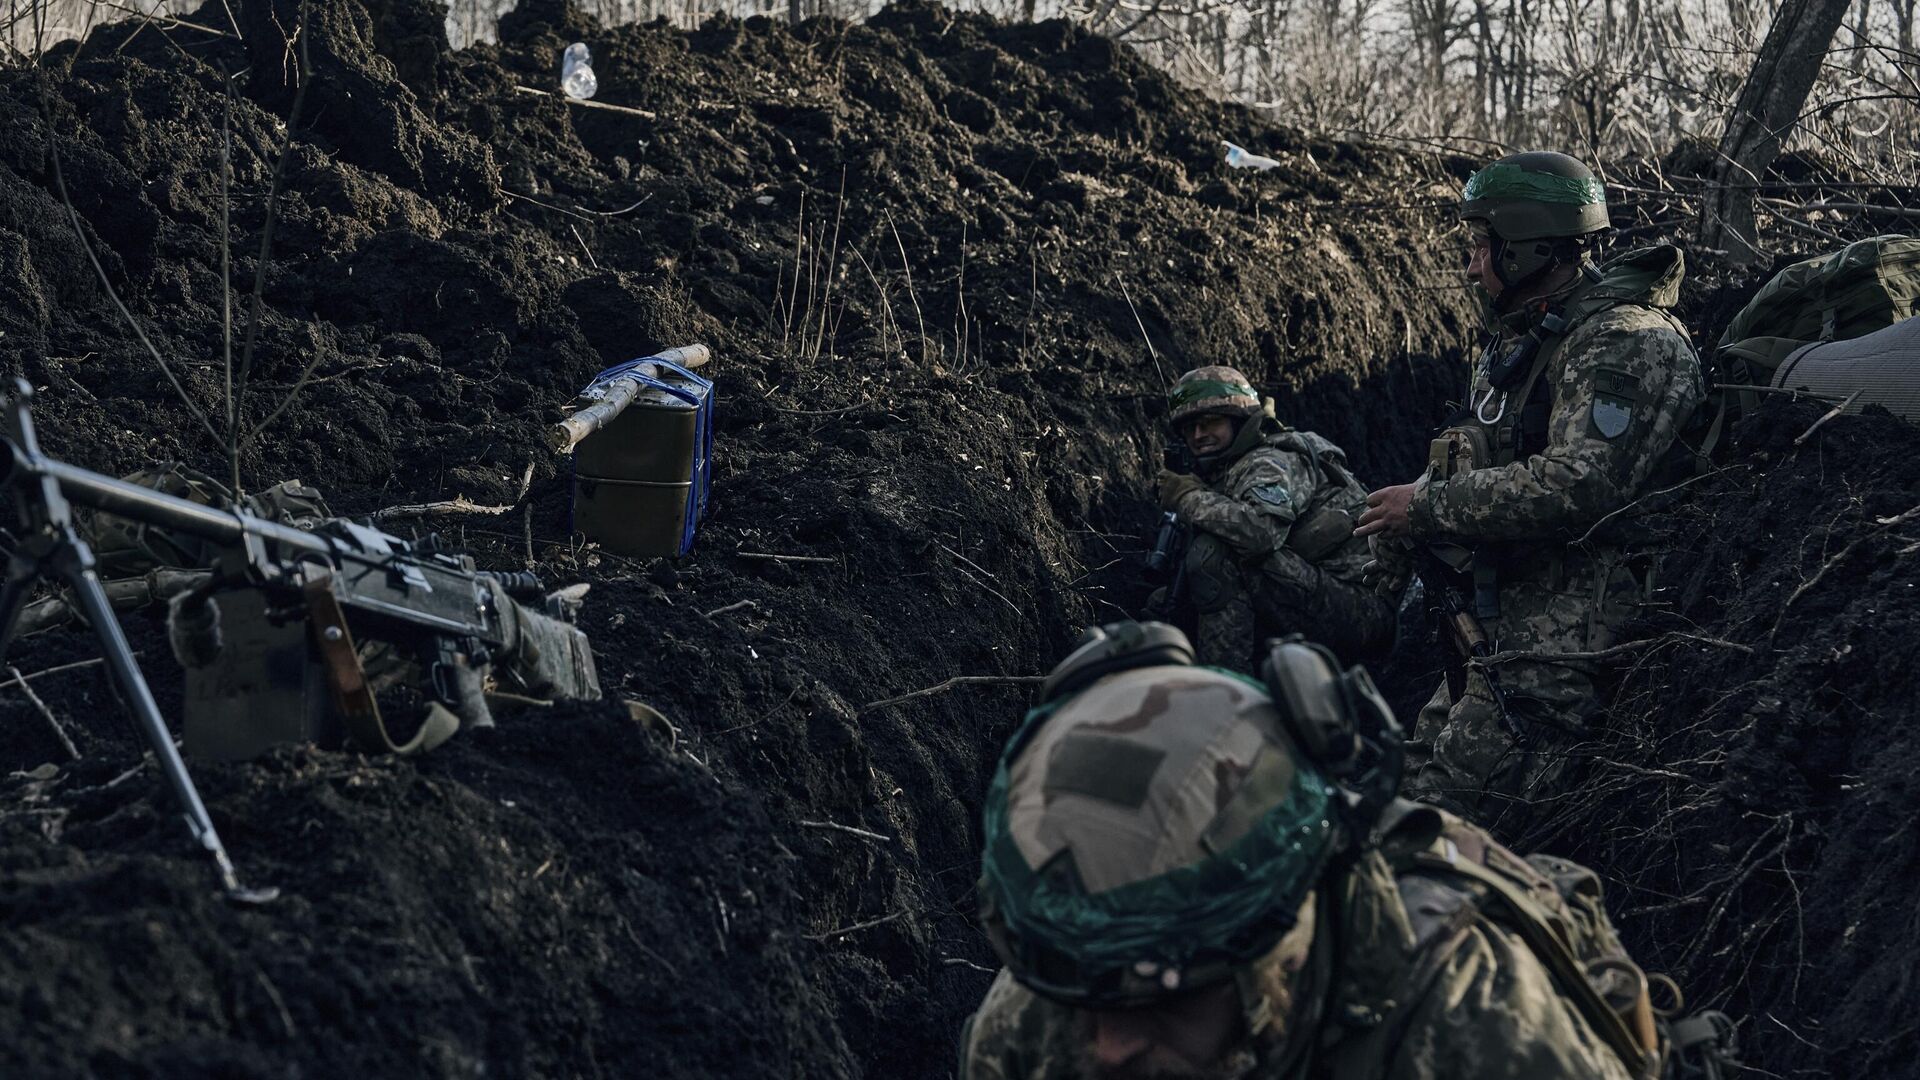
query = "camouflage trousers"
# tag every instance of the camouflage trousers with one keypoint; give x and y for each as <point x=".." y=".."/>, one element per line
<point x="1464" y="756"/>
<point x="1238" y="605"/>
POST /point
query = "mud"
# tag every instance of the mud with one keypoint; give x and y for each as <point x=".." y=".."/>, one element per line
<point x="945" y="266"/>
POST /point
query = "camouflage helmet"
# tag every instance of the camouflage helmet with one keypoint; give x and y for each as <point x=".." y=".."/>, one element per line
<point x="1152" y="831"/>
<point x="1214" y="389"/>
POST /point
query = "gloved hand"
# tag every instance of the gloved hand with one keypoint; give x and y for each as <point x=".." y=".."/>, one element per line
<point x="1174" y="485"/>
<point x="1391" y="566"/>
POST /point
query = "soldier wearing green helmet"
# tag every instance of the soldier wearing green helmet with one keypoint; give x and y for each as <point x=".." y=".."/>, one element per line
<point x="1191" y="874"/>
<point x="1573" y="416"/>
<point x="1271" y="511"/>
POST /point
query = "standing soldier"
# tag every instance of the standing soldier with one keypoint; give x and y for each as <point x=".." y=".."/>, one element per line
<point x="1272" y="512"/>
<point x="1188" y="874"/>
<point x="1581" y="393"/>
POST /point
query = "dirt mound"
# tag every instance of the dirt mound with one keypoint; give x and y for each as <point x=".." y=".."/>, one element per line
<point x="946" y="267"/>
<point x="1750" y="803"/>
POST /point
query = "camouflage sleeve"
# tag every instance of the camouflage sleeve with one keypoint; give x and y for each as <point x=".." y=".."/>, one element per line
<point x="1015" y="1036"/>
<point x="1492" y="1013"/>
<point x="1262" y="495"/>
<point x="1625" y="384"/>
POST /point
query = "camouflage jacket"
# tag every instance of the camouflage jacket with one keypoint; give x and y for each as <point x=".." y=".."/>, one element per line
<point x="1426" y="981"/>
<point x="1620" y="386"/>
<point x="1292" y="490"/>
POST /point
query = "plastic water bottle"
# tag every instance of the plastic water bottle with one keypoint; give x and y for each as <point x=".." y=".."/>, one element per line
<point x="576" y="72"/>
<point x="1241" y="159"/>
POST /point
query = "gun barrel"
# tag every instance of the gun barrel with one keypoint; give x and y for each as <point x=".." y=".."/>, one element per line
<point x="99" y="492"/>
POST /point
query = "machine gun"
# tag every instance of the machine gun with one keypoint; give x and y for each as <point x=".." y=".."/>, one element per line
<point x="266" y="640"/>
<point x="1442" y="581"/>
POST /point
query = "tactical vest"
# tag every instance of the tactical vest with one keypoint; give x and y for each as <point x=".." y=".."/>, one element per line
<point x="1325" y="523"/>
<point x="1449" y="877"/>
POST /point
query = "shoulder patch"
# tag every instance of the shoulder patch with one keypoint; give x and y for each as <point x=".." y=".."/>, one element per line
<point x="1274" y="495"/>
<point x="1615" y="394"/>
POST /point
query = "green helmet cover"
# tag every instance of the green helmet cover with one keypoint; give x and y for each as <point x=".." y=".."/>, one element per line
<point x="1536" y="195"/>
<point x="1198" y="921"/>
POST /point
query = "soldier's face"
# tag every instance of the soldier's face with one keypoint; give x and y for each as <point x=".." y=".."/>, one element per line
<point x="1178" y="1038"/>
<point x="1209" y="434"/>
<point x="1194" y="1036"/>
<point x="1480" y="261"/>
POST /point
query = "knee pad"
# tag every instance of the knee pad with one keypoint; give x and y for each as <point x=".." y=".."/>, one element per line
<point x="1212" y="576"/>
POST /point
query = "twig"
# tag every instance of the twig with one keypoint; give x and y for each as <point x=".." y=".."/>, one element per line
<point x="848" y="829"/>
<point x="542" y="205"/>
<point x="591" y="261"/>
<point x="737" y="605"/>
<point x="458" y="505"/>
<point x="845" y="930"/>
<point x="1649" y="495"/>
<point x="168" y="19"/>
<point x="1151" y="351"/>
<point x="60" y="183"/>
<point x="279" y="1003"/>
<point x="957" y="680"/>
<point x="526" y="531"/>
<point x="913" y="296"/>
<point x="585" y="104"/>
<point x="1670" y="638"/>
<point x="1884" y="523"/>
<point x="786" y="558"/>
<point x="59" y="732"/>
<point x="18" y="679"/>
<point x="266" y="245"/>
<point x="955" y="961"/>
<point x="1828" y="415"/>
<point x="978" y="574"/>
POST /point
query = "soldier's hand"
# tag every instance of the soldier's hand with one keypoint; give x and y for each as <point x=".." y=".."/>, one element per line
<point x="1174" y="486"/>
<point x="1391" y="566"/>
<point x="1387" y="512"/>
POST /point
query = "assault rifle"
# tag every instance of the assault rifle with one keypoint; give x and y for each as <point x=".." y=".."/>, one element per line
<point x="1442" y="580"/>
<point x="266" y="640"/>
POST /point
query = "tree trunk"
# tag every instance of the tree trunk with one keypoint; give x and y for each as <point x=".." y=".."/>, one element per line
<point x="1766" y="110"/>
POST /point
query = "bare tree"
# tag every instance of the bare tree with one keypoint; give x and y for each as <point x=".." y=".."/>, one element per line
<point x="1769" y="105"/>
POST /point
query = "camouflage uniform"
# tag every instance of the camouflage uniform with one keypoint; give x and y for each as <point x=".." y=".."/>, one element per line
<point x="1424" y="986"/>
<point x="1272" y="546"/>
<point x="1156" y="828"/>
<point x="1273" y="549"/>
<point x="1540" y="510"/>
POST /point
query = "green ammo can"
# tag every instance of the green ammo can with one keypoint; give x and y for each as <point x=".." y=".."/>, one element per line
<point x="642" y="452"/>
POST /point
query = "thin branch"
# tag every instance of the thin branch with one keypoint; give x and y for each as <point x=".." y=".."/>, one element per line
<point x="1673" y="637"/>
<point x="1828" y="415"/>
<point x="957" y="680"/>
<point x="835" y="826"/>
<point x="266" y="233"/>
<point x="59" y="732"/>
<point x="60" y="183"/>
<point x="845" y="930"/>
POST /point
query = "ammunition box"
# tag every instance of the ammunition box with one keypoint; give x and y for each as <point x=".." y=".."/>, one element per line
<point x="640" y="483"/>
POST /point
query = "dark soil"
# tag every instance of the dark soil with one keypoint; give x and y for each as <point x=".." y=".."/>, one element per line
<point x="946" y="267"/>
<point x="1753" y="803"/>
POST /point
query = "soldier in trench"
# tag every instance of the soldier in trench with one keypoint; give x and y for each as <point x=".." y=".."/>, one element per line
<point x="1573" y="416"/>
<point x="1271" y="509"/>
<point x="1178" y="888"/>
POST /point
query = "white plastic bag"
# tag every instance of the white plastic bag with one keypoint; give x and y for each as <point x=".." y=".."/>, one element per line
<point x="1241" y="159"/>
<point x="576" y="72"/>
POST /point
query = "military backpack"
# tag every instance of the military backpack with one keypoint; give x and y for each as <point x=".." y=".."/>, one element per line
<point x="1782" y="339"/>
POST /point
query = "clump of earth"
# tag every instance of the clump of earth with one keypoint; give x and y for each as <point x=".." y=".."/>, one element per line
<point x="946" y="267"/>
